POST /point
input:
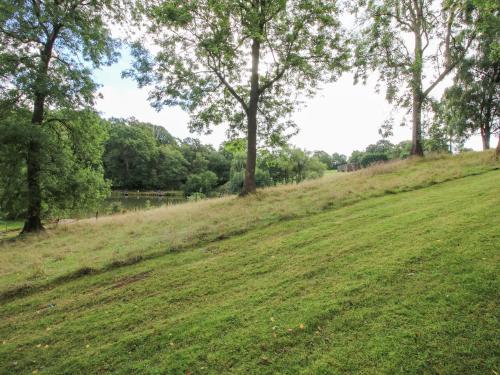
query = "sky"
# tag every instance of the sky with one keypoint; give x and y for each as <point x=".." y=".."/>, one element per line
<point x="342" y="117"/>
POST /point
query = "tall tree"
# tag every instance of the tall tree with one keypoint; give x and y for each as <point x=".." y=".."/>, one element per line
<point x="240" y="62"/>
<point x="472" y="104"/>
<point x="71" y="178"/>
<point x="48" y="48"/>
<point x="414" y="44"/>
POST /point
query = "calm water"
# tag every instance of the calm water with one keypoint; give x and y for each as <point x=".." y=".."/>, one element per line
<point x="117" y="203"/>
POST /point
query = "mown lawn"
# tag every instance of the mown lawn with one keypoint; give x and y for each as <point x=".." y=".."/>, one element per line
<point x="403" y="283"/>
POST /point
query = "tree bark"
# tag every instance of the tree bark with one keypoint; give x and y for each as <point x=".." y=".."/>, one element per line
<point x="33" y="223"/>
<point x="485" y="137"/>
<point x="249" y="185"/>
<point x="416" y="144"/>
<point x="418" y="97"/>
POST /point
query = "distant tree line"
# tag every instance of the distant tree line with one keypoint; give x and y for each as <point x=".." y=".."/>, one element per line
<point x="384" y="150"/>
<point x="83" y="157"/>
<point x="144" y="156"/>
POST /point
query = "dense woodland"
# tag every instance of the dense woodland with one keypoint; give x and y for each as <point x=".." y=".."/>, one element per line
<point x="244" y="64"/>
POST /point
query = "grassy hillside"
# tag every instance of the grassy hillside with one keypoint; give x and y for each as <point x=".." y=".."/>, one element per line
<point x="388" y="270"/>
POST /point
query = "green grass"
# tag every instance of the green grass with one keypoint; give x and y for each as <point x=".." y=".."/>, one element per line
<point x="91" y="246"/>
<point x="8" y="225"/>
<point x="398" y="276"/>
<point x="330" y="172"/>
<point x="10" y="228"/>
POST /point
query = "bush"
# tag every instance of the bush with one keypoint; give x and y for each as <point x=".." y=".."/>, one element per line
<point x="203" y="182"/>
<point x="262" y="179"/>
<point x="371" y="158"/>
<point x="116" y="207"/>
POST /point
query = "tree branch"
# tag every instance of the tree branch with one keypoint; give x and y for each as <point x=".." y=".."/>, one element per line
<point x="230" y="88"/>
<point x="449" y="67"/>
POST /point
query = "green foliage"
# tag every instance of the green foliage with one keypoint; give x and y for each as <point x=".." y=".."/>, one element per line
<point x="338" y="159"/>
<point x="136" y="159"/>
<point x="389" y="28"/>
<point x="237" y="174"/>
<point x="472" y="104"/>
<point x="202" y="182"/>
<point x="382" y="151"/>
<point x="402" y="150"/>
<point x="290" y="164"/>
<point x="48" y="51"/>
<point x="413" y="46"/>
<point x="356" y="157"/>
<point x="437" y="139"/>
<point x="171" y="168"/>
<point x="234" y="146"/>
<point x="207" y="73"/>
<point x="262" y="179"/>
<point x="144" y="156"/>
<point x="325" y="158"/>
<point x="73" y="36"/>
<point x="71" y="156"/>
<point x="130" y="155"/>
<point x="370" y="158"/>
<point x="205" y="51"/>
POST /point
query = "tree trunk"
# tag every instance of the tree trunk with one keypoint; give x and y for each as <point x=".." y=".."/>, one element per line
<point x="416" y="143"/>
<point x="249" y="185"/>
<point x="418" y="97"/>
<point x="485" y="137"/>
<point x="33" y="221"/>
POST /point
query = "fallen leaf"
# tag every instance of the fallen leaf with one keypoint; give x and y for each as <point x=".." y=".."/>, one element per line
<point x="290" y="330"/>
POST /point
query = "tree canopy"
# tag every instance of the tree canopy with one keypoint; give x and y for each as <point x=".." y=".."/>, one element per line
<point x="243" y="63"/>
<point x="48" y="50"/>
<point x="413" y="45"/>
<point x="472" y="103"/>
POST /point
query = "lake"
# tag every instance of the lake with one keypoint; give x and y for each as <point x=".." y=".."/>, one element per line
<point x="132" y="201"/>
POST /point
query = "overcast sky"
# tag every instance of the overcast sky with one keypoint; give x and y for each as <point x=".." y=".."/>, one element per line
<point x="341" y="118"/>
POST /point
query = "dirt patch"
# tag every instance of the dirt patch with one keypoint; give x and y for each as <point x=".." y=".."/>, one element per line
<point x="124" y="262"/>
<point x="130" y="279"/>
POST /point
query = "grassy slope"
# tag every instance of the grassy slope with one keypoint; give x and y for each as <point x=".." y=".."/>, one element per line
<point x="92" y="246"/>
<point x="401" y="283"/>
